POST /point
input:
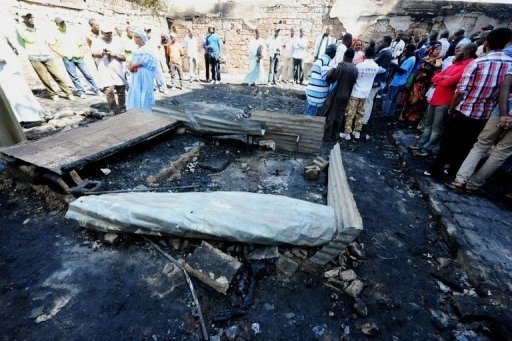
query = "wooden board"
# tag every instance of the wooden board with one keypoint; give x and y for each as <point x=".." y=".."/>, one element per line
<point x="68" y="150"/>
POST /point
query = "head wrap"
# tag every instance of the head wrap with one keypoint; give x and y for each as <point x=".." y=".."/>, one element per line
<point x="138" y="32"/>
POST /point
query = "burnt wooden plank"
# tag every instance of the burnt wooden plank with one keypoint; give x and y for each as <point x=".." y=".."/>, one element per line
<point x="67" y="150"/>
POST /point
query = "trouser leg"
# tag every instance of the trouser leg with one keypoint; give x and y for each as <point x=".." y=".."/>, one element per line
<point x="437" y="127"/>
<point x="207" y="66"/>
<point x="42" y="73"/>
<point x="350" y="114"/>
<point x="368" y="105"/>
<point x="358" y="121"/>
<point x="121" y="96"/>
<point x="499" y="154"/>
<point x="54" y="72"/>
<point x="80" y="64"/>
<point x="111" y="99"/>
<point x="71" y="70"/>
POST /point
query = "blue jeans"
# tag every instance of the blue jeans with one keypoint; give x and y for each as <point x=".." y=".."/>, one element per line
<point x="71" y="65"/>
<point x="311" y="110"/>
<point x="392" y="97"/>
<point x="434" y="123"/>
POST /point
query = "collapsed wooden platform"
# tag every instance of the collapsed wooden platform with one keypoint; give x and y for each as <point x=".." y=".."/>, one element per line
<point x="59" y="154"/>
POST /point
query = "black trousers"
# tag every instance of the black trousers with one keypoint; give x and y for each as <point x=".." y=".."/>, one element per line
<point x="207" y="65"/>
<point x="459" y="135"/>
<point x="298" y="70"/>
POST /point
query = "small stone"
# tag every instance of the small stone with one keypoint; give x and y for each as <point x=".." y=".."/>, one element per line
<point x="332" y="273"/>
<point x="360" y="307"/>
<point x="289" y="316"/>
<point x="354" y="288"/>
<point x="319" y="330"/>
<point x="312" y="172"/>
<point x="331" y="313"/>
<point x="215" y="338"/>
<point x="268" y="307"/>
<point x="105" y="171"/>
<point x="110" y="238"/>
<point x="370" y="329"/>
<point x="348" y="275"/>
<point x="440" y="319"/>
<point x="443" y="262"/>
<point x="299" y="253"/>
<point x="259" y="253"/>
<point x="175" y="243"/>
<point x="356" y="249"/>
<point x="231" y="332"/>
<point x="36" y="312"/>
<point x="25" y="222"/>
<point x="286" y="266"/>
<point x="256" y="328"/>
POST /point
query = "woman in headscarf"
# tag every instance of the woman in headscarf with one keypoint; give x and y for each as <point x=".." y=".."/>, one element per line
<point x="357" y="46"/>
<point x="143" y="68"/>
<point x="415" y="102"/>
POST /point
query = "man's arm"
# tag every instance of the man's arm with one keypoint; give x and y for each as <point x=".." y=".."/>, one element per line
<point x="503" y="99"/>
<point x="463" y="86"/>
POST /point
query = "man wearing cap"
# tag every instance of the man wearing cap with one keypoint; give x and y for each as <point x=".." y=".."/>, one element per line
<point x="70" y="48"/>
<point x="318" y="87"/>
<point x="110" y="60"/>
<point x="36" y="47"/>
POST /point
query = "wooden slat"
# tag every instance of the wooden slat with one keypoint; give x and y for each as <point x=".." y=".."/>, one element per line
<point x="67" y="150"/>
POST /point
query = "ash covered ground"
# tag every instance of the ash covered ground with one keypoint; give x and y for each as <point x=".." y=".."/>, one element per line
<point x="58" y="280"/>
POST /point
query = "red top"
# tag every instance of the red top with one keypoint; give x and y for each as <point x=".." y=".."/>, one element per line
<point x="446" y="82"/>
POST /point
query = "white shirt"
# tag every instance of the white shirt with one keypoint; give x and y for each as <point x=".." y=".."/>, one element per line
<point x="397" y="48"/>
<point x="190" y="46"/>
<point x="445" y="45"/>
<point x="110" y="70"/>
<point x="338" y="58"/>
<point x="274" y="45"/>
<point x="299" y="47"/>
<point x="288" y="47"/>
<point x="367" y="70"/>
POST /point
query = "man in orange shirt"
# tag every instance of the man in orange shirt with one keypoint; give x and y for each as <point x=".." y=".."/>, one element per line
<point x="176" y="54"/>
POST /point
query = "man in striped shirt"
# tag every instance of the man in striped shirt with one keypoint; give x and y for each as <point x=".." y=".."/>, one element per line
<point x="474" y="100"/>
<point x="318" y="87"/>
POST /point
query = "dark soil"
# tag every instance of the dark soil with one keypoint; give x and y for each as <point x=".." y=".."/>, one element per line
<point x="84" y="288"/>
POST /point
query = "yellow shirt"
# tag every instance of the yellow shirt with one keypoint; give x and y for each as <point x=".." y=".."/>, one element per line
<point x="34" y="42"/>
<point x="68" y="43"/>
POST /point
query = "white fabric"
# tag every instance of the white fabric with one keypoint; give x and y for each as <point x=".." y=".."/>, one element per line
<point x="234" y="216"/>
<point x="338" y="58"/>
<point x="24" y="104"/>
<point x="367" y="70"/>
<point x="110" y="70"/>
<point x="288" y="47"/>
<point x="274" y="45"/>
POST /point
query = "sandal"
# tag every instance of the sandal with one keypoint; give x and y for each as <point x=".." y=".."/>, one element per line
<point x="456" y="186"/>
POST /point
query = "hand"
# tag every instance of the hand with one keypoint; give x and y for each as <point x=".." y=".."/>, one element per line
<point x="505" y="122"/>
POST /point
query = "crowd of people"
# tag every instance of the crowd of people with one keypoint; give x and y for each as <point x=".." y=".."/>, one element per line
<point x="456" y="91"/>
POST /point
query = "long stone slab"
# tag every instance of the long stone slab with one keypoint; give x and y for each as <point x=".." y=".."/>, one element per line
<point x="68" y="150"/>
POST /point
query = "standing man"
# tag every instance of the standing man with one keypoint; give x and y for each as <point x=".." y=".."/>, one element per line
<point x="343" y="45"/>
<point x="70" y="48"/>
<point x="207" y="54"/>
<point x="383" y="59"/>
<point x="397" y="49"/>
<point x="176" y="54"/>
<point x="299" y="53"/>
<point x="445" y="44"/>
<point x="191" y="50"/>
<point x="214" y="48"/>
<point x="397" y="84"/>
<point x="497" y="133"/>
<point x="475" y="98"/>
<point x="322" y="42"/>
<point x="36" y="47"/>
<point x="110" y="57"/>
<point x="318" y="87"/>
<point x="366" y="72"/>
<point x="287" y="70"/>
<point x="94" y="33"/>
<point x="274" y="50"/>
<point x="345" y="74"/>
